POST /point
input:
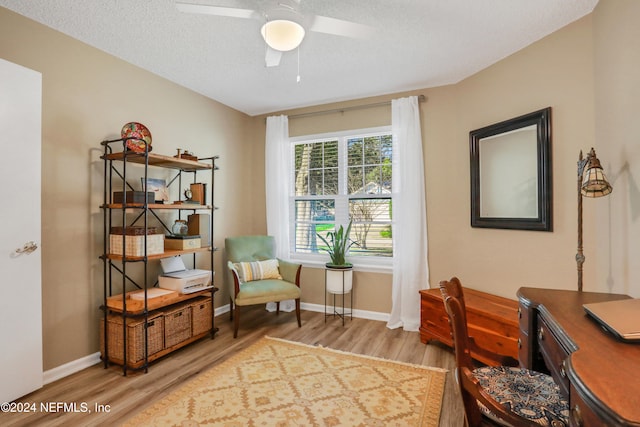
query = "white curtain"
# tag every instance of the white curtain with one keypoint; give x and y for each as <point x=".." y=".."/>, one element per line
<point x="277" y="175"/>
<point x="410" y="269"/>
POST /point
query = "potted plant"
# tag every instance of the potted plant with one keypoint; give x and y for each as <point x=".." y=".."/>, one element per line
<point x="339" y="271"/>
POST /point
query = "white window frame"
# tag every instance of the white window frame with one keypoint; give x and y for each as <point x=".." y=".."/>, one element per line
<point x="370" y="263"/>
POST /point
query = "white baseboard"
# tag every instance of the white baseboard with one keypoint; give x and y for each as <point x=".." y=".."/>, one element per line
<point x="222" y="310"/>
<point x="84" y="362"/>
<point x="70" y="368"/>
<point x="362" y="314"/>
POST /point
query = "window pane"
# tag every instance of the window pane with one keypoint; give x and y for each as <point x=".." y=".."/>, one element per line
<point x="315" y="210"/>
<point x="373" y="179"/>
<point x="386" y="148"/>
<point x="316" y="170"/>
<point x="315" y="182"/>
<point x="298" y="153"/>
<point x="372" y="150"/>
<point x="354" y="153"/>
<point x="311" y="217"/>
<point x="371" y="226"/>
<point x="373" y="156"/>
<point x="386" y="174"/>
<point x="330" y="182"/>
<point x="355" y="180"/>
<point x="302" y="159"/>
<point x="316" y="156"/>
<point x="331" y="154"/>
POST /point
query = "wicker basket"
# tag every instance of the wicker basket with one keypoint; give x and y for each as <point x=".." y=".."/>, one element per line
<point x="177" y="324"/>
<point x="135" y="337"/>
<point x="135" y="244"/>
<point x="201" y="321"/>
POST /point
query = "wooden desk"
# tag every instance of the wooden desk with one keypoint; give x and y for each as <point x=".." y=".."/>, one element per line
<point x="600" y="375"/>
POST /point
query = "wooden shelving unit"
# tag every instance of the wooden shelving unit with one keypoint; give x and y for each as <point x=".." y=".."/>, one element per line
<point x="119" y="307"/>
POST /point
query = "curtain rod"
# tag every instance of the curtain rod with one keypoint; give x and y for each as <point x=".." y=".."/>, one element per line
<point x="421" y="98"/>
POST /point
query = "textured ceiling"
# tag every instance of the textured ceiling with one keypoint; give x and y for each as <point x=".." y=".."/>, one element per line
<point x="417" y="44"/>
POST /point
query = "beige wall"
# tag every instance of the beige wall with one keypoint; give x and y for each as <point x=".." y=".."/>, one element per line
<point x="617" y="101"/>
<point x="585" y="72"/>
<point x="557" y="71"/>
<point x="87" y="97"/>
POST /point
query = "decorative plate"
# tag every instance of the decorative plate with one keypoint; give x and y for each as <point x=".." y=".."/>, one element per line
<point x="140" y="133"/>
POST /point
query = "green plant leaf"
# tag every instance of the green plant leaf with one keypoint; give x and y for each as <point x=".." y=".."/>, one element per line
<point x="338" y="244"/>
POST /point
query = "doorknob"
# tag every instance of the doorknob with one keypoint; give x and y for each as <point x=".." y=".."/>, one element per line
<point x="27" y="248"/>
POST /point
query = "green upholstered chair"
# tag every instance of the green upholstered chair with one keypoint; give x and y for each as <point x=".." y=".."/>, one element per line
<point x="249" y="287"/>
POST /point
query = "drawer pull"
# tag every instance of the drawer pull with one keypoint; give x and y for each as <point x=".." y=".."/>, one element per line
<point x="519" y="312"/>
<point x="519" y="343"/>
<point x="576" y="416"/>
<point x="541" y="334"/>
<point x="563" y="370"/>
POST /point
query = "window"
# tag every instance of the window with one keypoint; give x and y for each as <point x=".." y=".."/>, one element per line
<point x="339" y="178"/>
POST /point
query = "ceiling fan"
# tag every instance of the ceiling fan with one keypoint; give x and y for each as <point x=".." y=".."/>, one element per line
<point x="284" y="25"/>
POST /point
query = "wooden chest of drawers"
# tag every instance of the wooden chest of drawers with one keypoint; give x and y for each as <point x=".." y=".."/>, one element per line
<point x="492" y="321"/>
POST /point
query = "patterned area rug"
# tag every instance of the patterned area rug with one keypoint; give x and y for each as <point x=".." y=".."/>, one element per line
<point x="281" y="383"/>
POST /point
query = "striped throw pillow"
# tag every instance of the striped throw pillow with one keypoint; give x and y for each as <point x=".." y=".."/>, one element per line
<point x="258" y="270"/>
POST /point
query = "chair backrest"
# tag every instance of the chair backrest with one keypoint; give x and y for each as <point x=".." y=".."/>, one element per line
<point x="453" y="297"/>
<point x="250" y="248"/>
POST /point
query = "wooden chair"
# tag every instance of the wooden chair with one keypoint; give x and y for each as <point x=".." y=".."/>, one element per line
<point x="502" y="395"/>
<point x="258" y="277"/>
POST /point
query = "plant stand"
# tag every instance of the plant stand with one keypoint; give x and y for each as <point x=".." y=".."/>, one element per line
<point x="338" y="281"/>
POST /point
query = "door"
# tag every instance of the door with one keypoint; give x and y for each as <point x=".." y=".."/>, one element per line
<point x="20" y="268"/>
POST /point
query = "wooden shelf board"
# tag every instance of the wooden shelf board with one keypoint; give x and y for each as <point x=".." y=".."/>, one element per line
<point x="166" y="254"/>
<point x="136" y="307"/>
<point x="160" y="160"/>
<point x="183" y="206"/>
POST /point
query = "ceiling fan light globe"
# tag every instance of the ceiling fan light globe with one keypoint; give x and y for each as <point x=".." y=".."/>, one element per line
<point x="282" y="34"/>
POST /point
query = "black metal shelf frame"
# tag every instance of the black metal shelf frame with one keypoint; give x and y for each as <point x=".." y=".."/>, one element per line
<point x="110" y="265"/>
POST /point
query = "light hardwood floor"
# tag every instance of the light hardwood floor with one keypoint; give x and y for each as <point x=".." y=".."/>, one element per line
<point x="125" y="396"/>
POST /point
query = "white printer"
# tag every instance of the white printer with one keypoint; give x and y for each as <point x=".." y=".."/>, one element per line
<point x="177" y="278"/>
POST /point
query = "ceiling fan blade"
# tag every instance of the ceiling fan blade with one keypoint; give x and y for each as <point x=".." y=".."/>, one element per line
<point x="272" y="57"/>
<point x="339" y="27"/>
<point x="216" y="10"/>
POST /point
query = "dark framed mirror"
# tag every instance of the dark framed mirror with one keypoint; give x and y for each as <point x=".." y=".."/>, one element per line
<point x="511" y="173"/>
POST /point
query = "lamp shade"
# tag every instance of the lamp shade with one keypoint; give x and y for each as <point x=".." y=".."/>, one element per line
<point x="594" y="183"/>
<point x="282" y="34"/>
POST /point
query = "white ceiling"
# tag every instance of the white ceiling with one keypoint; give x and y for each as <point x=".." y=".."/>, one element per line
<point x="417" y="44"/>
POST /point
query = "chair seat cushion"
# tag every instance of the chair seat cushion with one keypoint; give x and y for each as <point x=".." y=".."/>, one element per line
<point x="528" y="394"/>
<point x="263" y="291"/>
